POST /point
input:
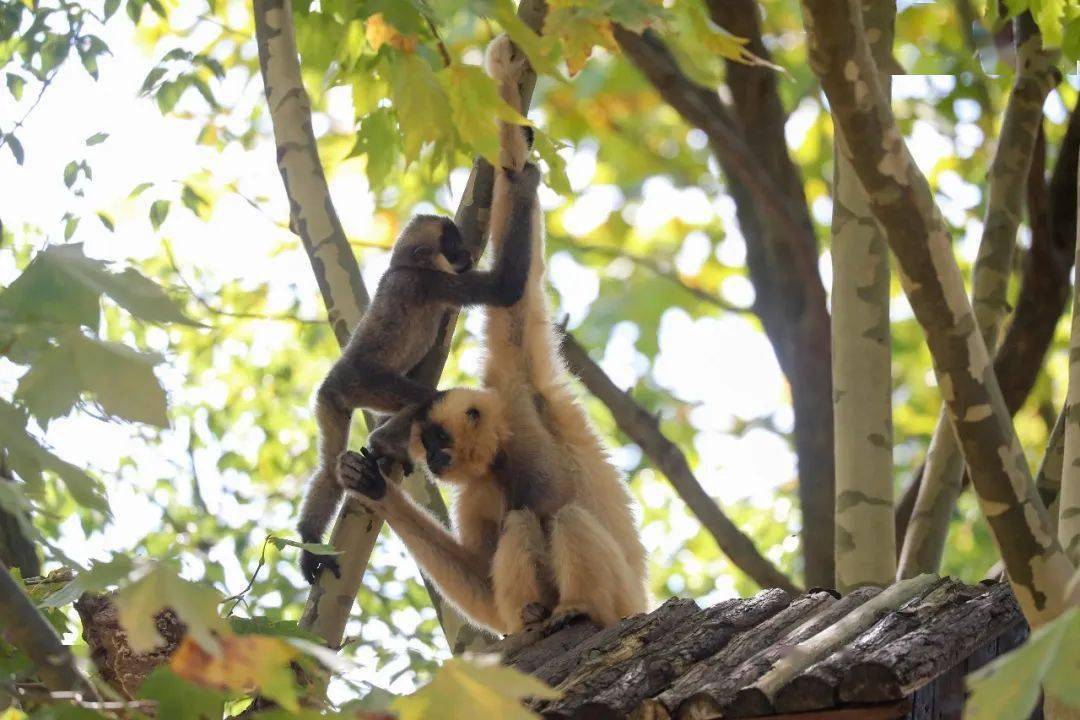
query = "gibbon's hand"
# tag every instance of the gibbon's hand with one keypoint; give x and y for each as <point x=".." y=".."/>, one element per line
<point x="359" y="473"/>
<point x="390" y="441"/>
<point x="311" y="565"/>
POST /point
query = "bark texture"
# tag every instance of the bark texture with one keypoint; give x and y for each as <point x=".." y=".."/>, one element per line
<point x="119" y="666"/>
<point x="748" y="142"/>
<point x="901" y="201"/>
<point x="759" y="698"/>
<point x="862" y="359"/>
<point x="641" y="427"/>
<point x="1068" y="516"/>
<point x="943" y="475"/>
<point x="898" y="667"/>
<point x="24" y="627"/>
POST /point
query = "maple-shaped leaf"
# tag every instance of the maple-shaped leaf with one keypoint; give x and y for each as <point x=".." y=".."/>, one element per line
<point x="475" y="105"/>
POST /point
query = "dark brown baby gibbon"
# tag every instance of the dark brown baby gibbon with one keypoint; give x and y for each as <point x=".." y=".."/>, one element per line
<point x="430" y="272"/>
<point x="543" y="520"/>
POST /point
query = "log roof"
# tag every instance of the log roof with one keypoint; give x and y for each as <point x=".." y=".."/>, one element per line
<point x="774" y="653"/>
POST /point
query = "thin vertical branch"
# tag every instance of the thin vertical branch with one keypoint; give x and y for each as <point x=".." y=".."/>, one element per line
<point x="1068" y="519"/>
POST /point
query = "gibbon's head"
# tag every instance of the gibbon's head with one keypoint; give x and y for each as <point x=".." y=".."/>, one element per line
<point x="460" y="434"/>
<point x="431" y="242"/>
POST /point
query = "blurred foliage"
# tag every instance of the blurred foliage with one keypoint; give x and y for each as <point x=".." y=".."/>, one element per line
<point x="642" y="236"/>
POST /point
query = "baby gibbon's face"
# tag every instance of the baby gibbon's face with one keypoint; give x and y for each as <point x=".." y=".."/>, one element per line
<point x="460" y="435"/>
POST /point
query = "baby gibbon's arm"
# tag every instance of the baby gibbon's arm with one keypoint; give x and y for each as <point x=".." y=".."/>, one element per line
<point x="461" y="573"/>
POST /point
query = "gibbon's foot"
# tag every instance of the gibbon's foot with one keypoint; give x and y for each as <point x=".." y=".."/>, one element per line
<point x="534" y="613"/>
<point x="528" y="635"/>
<point x="563" y="617"/>
<point x="359" y="473"/>
<point x="311" y="565"/>
<point x="390" y="441"/>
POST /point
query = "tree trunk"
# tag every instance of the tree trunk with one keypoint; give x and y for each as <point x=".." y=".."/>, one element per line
<point x="902" y="202"/>
<point x="862" y="360"/>
<point x="943" y="476"/>
<point x="1068" y="518"/>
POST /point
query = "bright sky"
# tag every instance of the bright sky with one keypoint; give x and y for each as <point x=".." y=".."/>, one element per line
<point x="696" y="363"/>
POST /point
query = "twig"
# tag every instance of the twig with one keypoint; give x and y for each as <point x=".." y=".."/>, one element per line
<point x="29" y="631"/>
<point x="668" y="273"/>
<point x="251" y="583"/>
<point x="643" y="429"/>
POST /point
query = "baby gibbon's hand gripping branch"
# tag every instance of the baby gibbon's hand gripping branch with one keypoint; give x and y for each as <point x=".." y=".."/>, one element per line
<point x="430" y="271"/>
<point x="543" y="520"/>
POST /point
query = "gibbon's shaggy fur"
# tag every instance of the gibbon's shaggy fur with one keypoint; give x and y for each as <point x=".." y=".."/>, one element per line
<point x="544" y="525"/>
<point x="430" y="271"/>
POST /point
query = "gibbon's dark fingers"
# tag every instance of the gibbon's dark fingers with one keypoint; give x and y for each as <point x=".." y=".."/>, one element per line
<point x="311" y="565"/>
<point x="359" y="473"/>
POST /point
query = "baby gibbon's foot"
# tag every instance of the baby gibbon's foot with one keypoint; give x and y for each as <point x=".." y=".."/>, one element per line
<point x="534" y="613"/>
<point x="311" y="565"/>
<point x="564" y="617"/>
<point x="359" y="473"/>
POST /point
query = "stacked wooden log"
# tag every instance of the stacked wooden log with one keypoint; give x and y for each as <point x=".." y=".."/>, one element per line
<point x="774" y="653"/>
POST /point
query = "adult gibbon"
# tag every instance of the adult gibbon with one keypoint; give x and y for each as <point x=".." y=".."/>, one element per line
<point x="544" y="525"/>
<point x="430" y="271"/>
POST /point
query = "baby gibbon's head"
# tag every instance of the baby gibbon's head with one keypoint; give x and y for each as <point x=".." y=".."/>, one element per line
<point x="460" y="434"/>
<point x="431" y="242"/>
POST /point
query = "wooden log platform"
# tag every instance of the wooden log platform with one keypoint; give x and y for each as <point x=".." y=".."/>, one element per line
<point x="901" y="653"/>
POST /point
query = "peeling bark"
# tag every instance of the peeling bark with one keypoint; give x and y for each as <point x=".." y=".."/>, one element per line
<point x="781" y="252"/>
<point x="943" y="475"/>
<point x="862" y="360"/>
<point x="901" y="200"/>
<point x="643" y="429"/>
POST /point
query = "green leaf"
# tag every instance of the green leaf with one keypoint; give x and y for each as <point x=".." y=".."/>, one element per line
<point x="1009" y="686"/>
<point x="316" y="548"/>
<point x="474" y="105"/>
<point x="134" y="10"/>
<point x="140" y="296"/>
<point x="100" y="576"/>
<point x="178" y="699"/>
<point x="1050" y="17"/>
<point x="419" y="102"/>
<point x="97" y="138"/>
<point x="123" y="381"/>
<point x="15" y="85"/>
<point x="111" y="6"/>
<point x="158" y="588"/>
<point x="549" y="152"/>
<point x="378" y="140"/>
<point x="69" y="227"/>
<point x="194" y="202"/>
<point x="140" y="189"/>
<point x="106" y="221"/>
<point x="466" y="689"/>
<point x="159" y="210"/>
<point x="44" y="293"/>
<point x="50" y="389"/>
<point x="16" y="148"/>
<point x="71" y="173"/>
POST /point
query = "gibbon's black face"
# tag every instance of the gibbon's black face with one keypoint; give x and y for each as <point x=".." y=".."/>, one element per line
<point x="436" y="443"/>
<point x="453" y="247"/>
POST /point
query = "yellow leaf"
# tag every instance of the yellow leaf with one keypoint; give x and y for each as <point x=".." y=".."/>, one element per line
<point x="464" y="689"/>
<point x="245" y="663"/>
<point x="379" y="32"/>
<point x="474" y="106"/>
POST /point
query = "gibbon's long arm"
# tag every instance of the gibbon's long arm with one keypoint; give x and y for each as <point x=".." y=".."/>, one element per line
<point x="504" y="284"/>
<point x="460" y="572"/>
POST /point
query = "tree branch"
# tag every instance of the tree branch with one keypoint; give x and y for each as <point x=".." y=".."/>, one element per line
<point x="1044" y="286"/>
<point x="781" y="247"/>
<point x="642" y="428"/>
<point x="902" y="202"/>
<point x="25" y="627"/>
<point x="942" y="478"/>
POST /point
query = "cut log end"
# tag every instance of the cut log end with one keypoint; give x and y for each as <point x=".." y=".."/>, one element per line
<point x="805" y="693"/>
<point x="871" y="682"/>
<point x="749" y="702"/>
